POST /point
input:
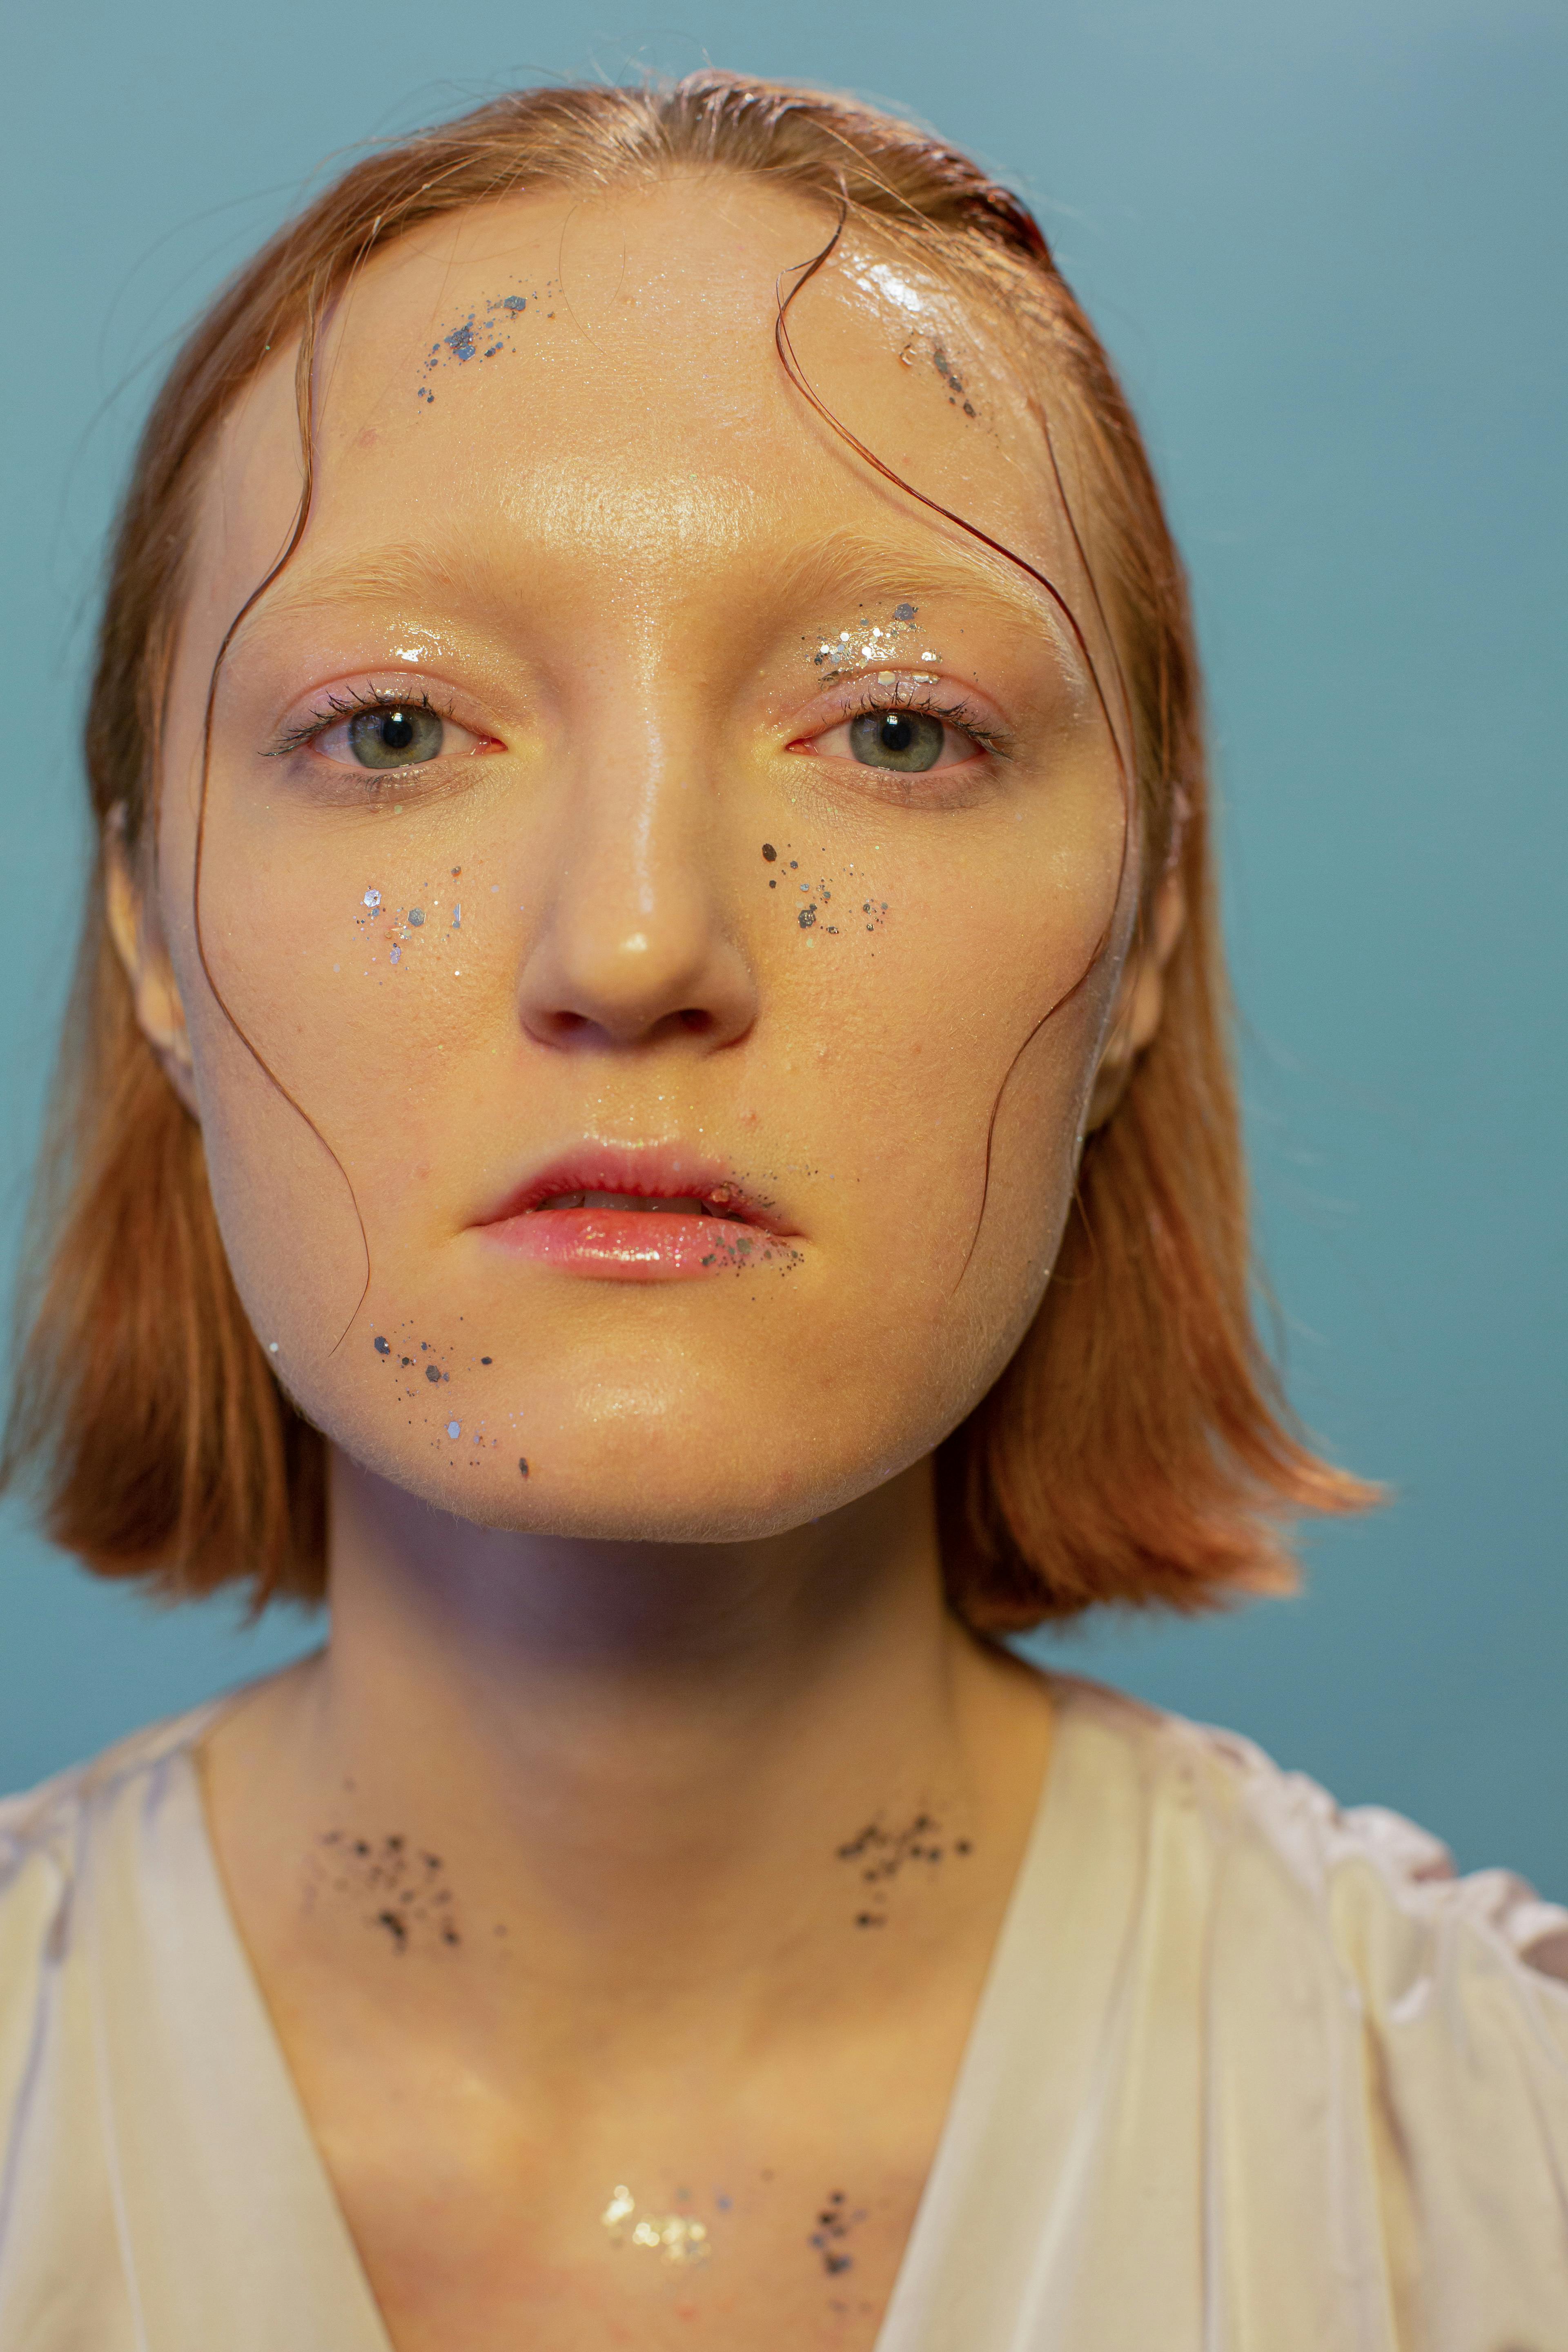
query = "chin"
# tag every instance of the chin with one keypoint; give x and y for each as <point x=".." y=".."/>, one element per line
<point x="639" y="1470"/>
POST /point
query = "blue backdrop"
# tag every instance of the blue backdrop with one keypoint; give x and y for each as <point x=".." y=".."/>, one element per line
<point x="1324" y="243"/>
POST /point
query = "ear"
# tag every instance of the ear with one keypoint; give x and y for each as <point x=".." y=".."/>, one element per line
<point x="160" y="1014"/>
<point x="1141" y="999"/>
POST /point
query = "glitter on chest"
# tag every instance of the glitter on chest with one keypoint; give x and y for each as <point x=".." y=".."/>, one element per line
<point x="679" y="2239"/>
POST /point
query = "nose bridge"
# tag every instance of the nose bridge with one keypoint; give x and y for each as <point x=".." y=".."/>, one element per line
<point x="635" y="940"/>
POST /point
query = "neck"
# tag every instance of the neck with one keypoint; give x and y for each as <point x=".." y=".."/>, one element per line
<point x="616" y="1748"/>
<point x="551" y="1672"/>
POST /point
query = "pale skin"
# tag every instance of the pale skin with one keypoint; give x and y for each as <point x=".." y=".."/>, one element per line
<point x="638" y="1700"/>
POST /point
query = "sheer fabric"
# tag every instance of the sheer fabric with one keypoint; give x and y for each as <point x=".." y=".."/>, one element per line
<point x="1249" y="2075"/>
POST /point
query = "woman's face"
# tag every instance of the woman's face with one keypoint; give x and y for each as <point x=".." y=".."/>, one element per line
<point x="624" y="796"/>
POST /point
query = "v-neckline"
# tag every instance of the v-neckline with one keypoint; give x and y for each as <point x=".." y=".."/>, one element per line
<point x="983" y="2066"/>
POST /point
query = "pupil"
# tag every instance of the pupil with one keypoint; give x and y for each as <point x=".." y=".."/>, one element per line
<point x="908" y="740"/>
<point x="403" y="735"/>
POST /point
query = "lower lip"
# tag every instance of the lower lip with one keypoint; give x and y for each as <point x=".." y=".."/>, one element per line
<point x="637" y="1244"/>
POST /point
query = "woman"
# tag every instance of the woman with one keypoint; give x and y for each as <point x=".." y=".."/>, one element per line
<point x="649" y="1116"/>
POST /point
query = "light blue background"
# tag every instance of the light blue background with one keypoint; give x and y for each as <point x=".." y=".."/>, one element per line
<point x="1324" y="242"/>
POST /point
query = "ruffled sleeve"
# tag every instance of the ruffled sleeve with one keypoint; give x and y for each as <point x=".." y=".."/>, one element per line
<point x="1462" y="1983"/>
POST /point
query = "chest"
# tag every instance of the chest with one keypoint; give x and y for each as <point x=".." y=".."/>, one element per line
<point x="779" y="2230"/>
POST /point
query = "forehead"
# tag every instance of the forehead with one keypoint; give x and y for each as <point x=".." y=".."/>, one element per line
<point x="577" y="377"/>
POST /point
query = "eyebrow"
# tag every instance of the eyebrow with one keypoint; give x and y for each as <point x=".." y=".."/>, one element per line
<point x="848" y="564"/>
<point x="844" y="567"/>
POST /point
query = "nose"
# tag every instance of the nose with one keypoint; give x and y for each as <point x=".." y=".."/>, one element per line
<point x="633" y="949"/>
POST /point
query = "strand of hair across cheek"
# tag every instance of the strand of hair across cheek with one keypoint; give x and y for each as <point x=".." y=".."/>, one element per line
<point x="304" y="397"/>
<point x="802" y="385"/>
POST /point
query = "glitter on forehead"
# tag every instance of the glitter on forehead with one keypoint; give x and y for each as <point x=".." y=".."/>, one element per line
<point x="879" y="279"/>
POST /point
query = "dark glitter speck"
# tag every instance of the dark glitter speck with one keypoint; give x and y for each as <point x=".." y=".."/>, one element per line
<point x="432" y="1371"/>
<point x="769" y="852"/>
<point x="905" y="612"/>
<point x="384" y="1347"/>
<point x="523" y="1467"/>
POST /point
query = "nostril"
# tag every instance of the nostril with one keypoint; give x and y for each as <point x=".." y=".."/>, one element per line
<point x="698" y="1022"/>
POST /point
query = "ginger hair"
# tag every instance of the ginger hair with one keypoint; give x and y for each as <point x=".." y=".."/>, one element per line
<point x="1137" y="1449"/>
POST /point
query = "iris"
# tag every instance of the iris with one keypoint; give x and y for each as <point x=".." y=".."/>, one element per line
<point x="396" y="736"/>
<point x="909" y="739"/>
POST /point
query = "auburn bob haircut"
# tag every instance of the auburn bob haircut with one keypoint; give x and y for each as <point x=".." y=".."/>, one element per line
<point x="1137" y="1449"/>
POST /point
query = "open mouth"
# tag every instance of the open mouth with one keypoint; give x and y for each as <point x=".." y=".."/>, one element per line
<point x="649" y="1204"/>
<point x="614" y="1215"/>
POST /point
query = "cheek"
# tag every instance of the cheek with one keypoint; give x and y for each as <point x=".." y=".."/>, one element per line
<point x="949" y="1060"/>
<point x="971" y="1020"/>
<point x="359" y="990"/>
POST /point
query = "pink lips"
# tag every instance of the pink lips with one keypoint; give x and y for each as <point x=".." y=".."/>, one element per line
<point x="616" y="1214"/>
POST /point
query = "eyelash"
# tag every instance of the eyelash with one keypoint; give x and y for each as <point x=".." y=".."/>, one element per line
<point x="340" y="706"/>
<point x="348" y="706"/>
<point x="960" y="714"/>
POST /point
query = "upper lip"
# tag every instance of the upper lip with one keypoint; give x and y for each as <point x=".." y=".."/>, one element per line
<point x="643" y="1171"/>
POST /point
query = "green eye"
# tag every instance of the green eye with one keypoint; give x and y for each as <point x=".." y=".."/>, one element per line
<point x="398" y="736"/>
<point x="909" y="739"/>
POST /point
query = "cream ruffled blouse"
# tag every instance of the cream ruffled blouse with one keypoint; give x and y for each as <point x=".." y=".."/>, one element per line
<point x="1249" y="2075"/>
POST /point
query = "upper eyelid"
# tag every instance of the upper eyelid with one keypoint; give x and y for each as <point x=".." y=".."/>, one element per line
<point x="988" y="734"/>
<point x="346" y="702"/>
<point x="926" y="680"/>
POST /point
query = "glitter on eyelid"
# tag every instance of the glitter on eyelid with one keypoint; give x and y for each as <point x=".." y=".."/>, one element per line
<point x="395" y="955"/>
<point x="416" y="916"/>
<point x="372" y="899"/>
<point x="454" y="1429"/>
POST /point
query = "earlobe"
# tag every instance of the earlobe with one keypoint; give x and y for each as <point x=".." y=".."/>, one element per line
<point x="160" y="1013"/>
<point x="1143" y="997"/>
